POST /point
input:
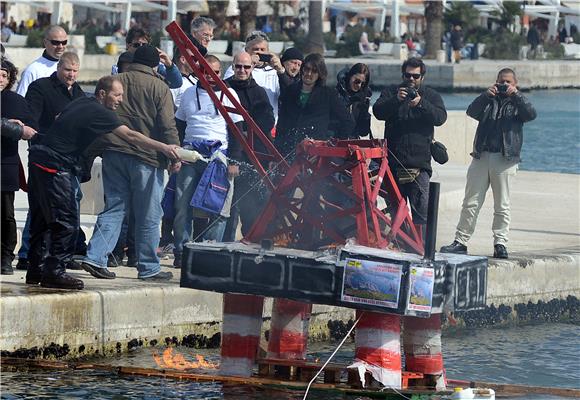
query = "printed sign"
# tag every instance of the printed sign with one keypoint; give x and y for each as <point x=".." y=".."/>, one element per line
<point x="371" y="282"/>
<point x="421" y="282"/>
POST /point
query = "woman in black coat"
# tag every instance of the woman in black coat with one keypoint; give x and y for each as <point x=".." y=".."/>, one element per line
<point x="308" y="109"/>
<point x="17" y="123"/>
<point x="353" y="87"/>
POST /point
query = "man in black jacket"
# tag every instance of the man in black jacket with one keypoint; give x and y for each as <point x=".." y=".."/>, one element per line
<point x="248" y="200"/>
<point x="411" y="112"/>
<point x="501" y="111"/>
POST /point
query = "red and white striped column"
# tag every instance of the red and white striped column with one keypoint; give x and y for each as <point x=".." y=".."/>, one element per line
<point x="378" y="347"/>
<point x="422" y="346"/>
<point x="241" y="327"/>
<point x="289" y="330"/>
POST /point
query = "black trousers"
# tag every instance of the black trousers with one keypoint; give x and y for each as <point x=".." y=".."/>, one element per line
<point x="54" y="211"/>
<point x="8" y="228"/>
<point x="417" y="195"/>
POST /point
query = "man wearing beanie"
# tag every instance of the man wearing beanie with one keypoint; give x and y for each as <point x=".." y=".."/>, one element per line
<point x="292" y="59"/>
<point x="133" y="176"/>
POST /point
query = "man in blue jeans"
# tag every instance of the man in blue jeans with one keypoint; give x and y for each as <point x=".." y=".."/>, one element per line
<point x="134" y="176"/>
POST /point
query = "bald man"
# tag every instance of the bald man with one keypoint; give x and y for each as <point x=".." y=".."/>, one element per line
<point x="248" y="199"/>
<point x="55" y="41"/>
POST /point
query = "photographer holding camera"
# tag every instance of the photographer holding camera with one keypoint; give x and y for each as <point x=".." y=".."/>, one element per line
<point x="411" y="111"/>
<point x="501" y="111"/>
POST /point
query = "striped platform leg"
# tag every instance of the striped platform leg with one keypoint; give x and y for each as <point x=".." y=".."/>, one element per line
<point x="242" y="324"/>
<point x="289" y="329"/>
<point x="378" y="348"/>
<point x="422" y="346"/>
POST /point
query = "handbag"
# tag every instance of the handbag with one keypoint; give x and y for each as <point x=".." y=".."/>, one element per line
<point x="439" y="152"/>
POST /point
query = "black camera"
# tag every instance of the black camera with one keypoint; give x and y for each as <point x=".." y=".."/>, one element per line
<point x="265" y="57"/>
<point x="411" y="93"/>
<point x="502" y="87"/>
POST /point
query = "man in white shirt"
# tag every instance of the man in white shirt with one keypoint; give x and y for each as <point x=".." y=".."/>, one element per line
<point x="55" y="41"/>
<point x="267" y="67"/>
<point x="203" y="127"/>
<point x="188" y="78"/>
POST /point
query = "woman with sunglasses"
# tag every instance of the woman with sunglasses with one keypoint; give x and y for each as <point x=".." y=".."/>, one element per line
<point x="353" y="87"/>
<point x="309" y="107"/>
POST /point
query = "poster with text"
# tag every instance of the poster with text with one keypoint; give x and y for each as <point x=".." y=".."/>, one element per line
<point x="421" y="281"/>
<point x="372" y="282"/>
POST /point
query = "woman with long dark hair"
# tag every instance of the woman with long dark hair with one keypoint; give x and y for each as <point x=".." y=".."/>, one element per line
<point x="309" y="108"/>
<point x="17" y="123"/>
<point x="352" y="85"/>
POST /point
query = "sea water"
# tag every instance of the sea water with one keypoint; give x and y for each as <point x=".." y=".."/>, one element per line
<point x="538" y="355"/>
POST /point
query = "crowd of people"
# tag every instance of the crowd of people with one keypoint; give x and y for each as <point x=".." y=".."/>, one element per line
<point x="151" y="110"/>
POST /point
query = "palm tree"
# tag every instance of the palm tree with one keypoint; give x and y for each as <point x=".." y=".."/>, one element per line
<point x="247" y="17"/>
<point x="463" y="14"/>
<point x="217" y="12"/>
<point x="314" y="42"/>
<point x="434" y="17"/>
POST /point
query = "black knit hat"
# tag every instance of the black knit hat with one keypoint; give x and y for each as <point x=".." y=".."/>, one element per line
<point x="126" y="57"/>
<point x="146" y="55"/>
<point x="292" y="54"/>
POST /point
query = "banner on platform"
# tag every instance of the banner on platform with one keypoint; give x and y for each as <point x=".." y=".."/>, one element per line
<point x="372" y="282"/>
<point x="421" y="282"/>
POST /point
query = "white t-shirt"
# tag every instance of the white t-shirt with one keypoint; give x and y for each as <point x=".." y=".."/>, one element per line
<point x="39" y="68"/>
<point x="266" y="78"/>
<point x="203" y="119"/>
<point x="177" y="93"/>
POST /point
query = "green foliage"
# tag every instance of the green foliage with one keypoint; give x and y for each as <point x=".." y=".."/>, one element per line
<point x="348" y="45"/>
<point x="478" y="35"/>
<point x="509" y="11"/>
<point x="554" y="50"/>
<point x="503" y="45"/>
<point x="91" y="32"/>
<point x="461" y="13"/>
<point x="329" y="40"/>
<point x="34" y="38"/>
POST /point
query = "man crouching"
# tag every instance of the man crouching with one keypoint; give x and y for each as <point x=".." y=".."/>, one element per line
<point x="53" y="178"/>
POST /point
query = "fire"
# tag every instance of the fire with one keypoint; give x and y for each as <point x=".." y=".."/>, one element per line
<point x="172" y="360"/>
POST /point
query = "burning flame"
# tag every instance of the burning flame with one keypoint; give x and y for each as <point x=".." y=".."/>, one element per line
<point x="172" y="360"/>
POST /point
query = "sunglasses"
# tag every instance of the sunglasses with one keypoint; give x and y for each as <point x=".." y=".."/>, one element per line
<point x="240" y="66"/>
<point x="138" y="44"/>
<point x="414" y="76"/>
<point x="207" y="36"/>
<point x="358" y="82"/>
<point x="57" y="42"/>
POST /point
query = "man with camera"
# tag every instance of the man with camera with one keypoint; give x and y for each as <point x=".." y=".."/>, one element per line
<point x="501" y="111"/>
<point x="411" y="112"/>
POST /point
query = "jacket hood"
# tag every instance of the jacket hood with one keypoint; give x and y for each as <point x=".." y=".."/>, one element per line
<point x="342" y="87"/>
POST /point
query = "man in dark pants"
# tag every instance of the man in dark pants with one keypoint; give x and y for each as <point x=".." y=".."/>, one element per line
<point x="248" y="200"/>
<point x="411" y="112"/>
<point x="53" y="178"/>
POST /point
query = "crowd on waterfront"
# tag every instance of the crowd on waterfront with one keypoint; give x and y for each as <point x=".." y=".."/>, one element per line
<point x="152" y="115"/>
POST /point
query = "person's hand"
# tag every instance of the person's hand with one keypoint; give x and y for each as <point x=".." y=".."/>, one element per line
<point x="28" y="132"/>
<point x="164" y="58"/>
<point x="492" y="91"/>
<point x="170" y="151"/>
<point x="415" y="101"/>
<point x="255" y="59"/>
<point x="233" y="171"/>
<point x="402" y="94"/>
<point x="16" y="121"/>
<point x="277" y="64"/>
<point x="174" y="167"/>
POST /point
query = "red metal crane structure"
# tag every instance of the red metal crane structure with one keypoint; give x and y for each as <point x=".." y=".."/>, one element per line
<point x="328" y="194"/>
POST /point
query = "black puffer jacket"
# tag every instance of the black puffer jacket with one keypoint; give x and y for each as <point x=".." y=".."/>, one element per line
<point x="323" y="110"/>
<point x="508" y="114"/>
<point x="409" y="130"/>
<point x="357" y="104"/>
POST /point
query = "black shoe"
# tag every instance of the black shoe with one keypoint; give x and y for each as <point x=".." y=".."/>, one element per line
<point x="22" y="264"/>
<point x="131" y="262"/>
<point x="33" y="278"/>
<point x="454" y="247"/>
<point x="114" y="261"/>
<point x="162" y="276"/>
<point x="101" y="273"/>
<point x="74" y="265"/>
<point x="7" y="270"/>
<point x="62" y="281"/>
<point x="499" y="251"/>
<point x="177" y="262"/>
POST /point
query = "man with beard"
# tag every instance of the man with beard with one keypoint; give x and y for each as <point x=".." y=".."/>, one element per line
<point x="411" y="112"/>
<point x="248" y="200"/>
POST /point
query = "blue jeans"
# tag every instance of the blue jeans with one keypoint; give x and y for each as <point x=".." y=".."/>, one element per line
<point x="187" y="180"/>
<point x="128" y="182"/>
